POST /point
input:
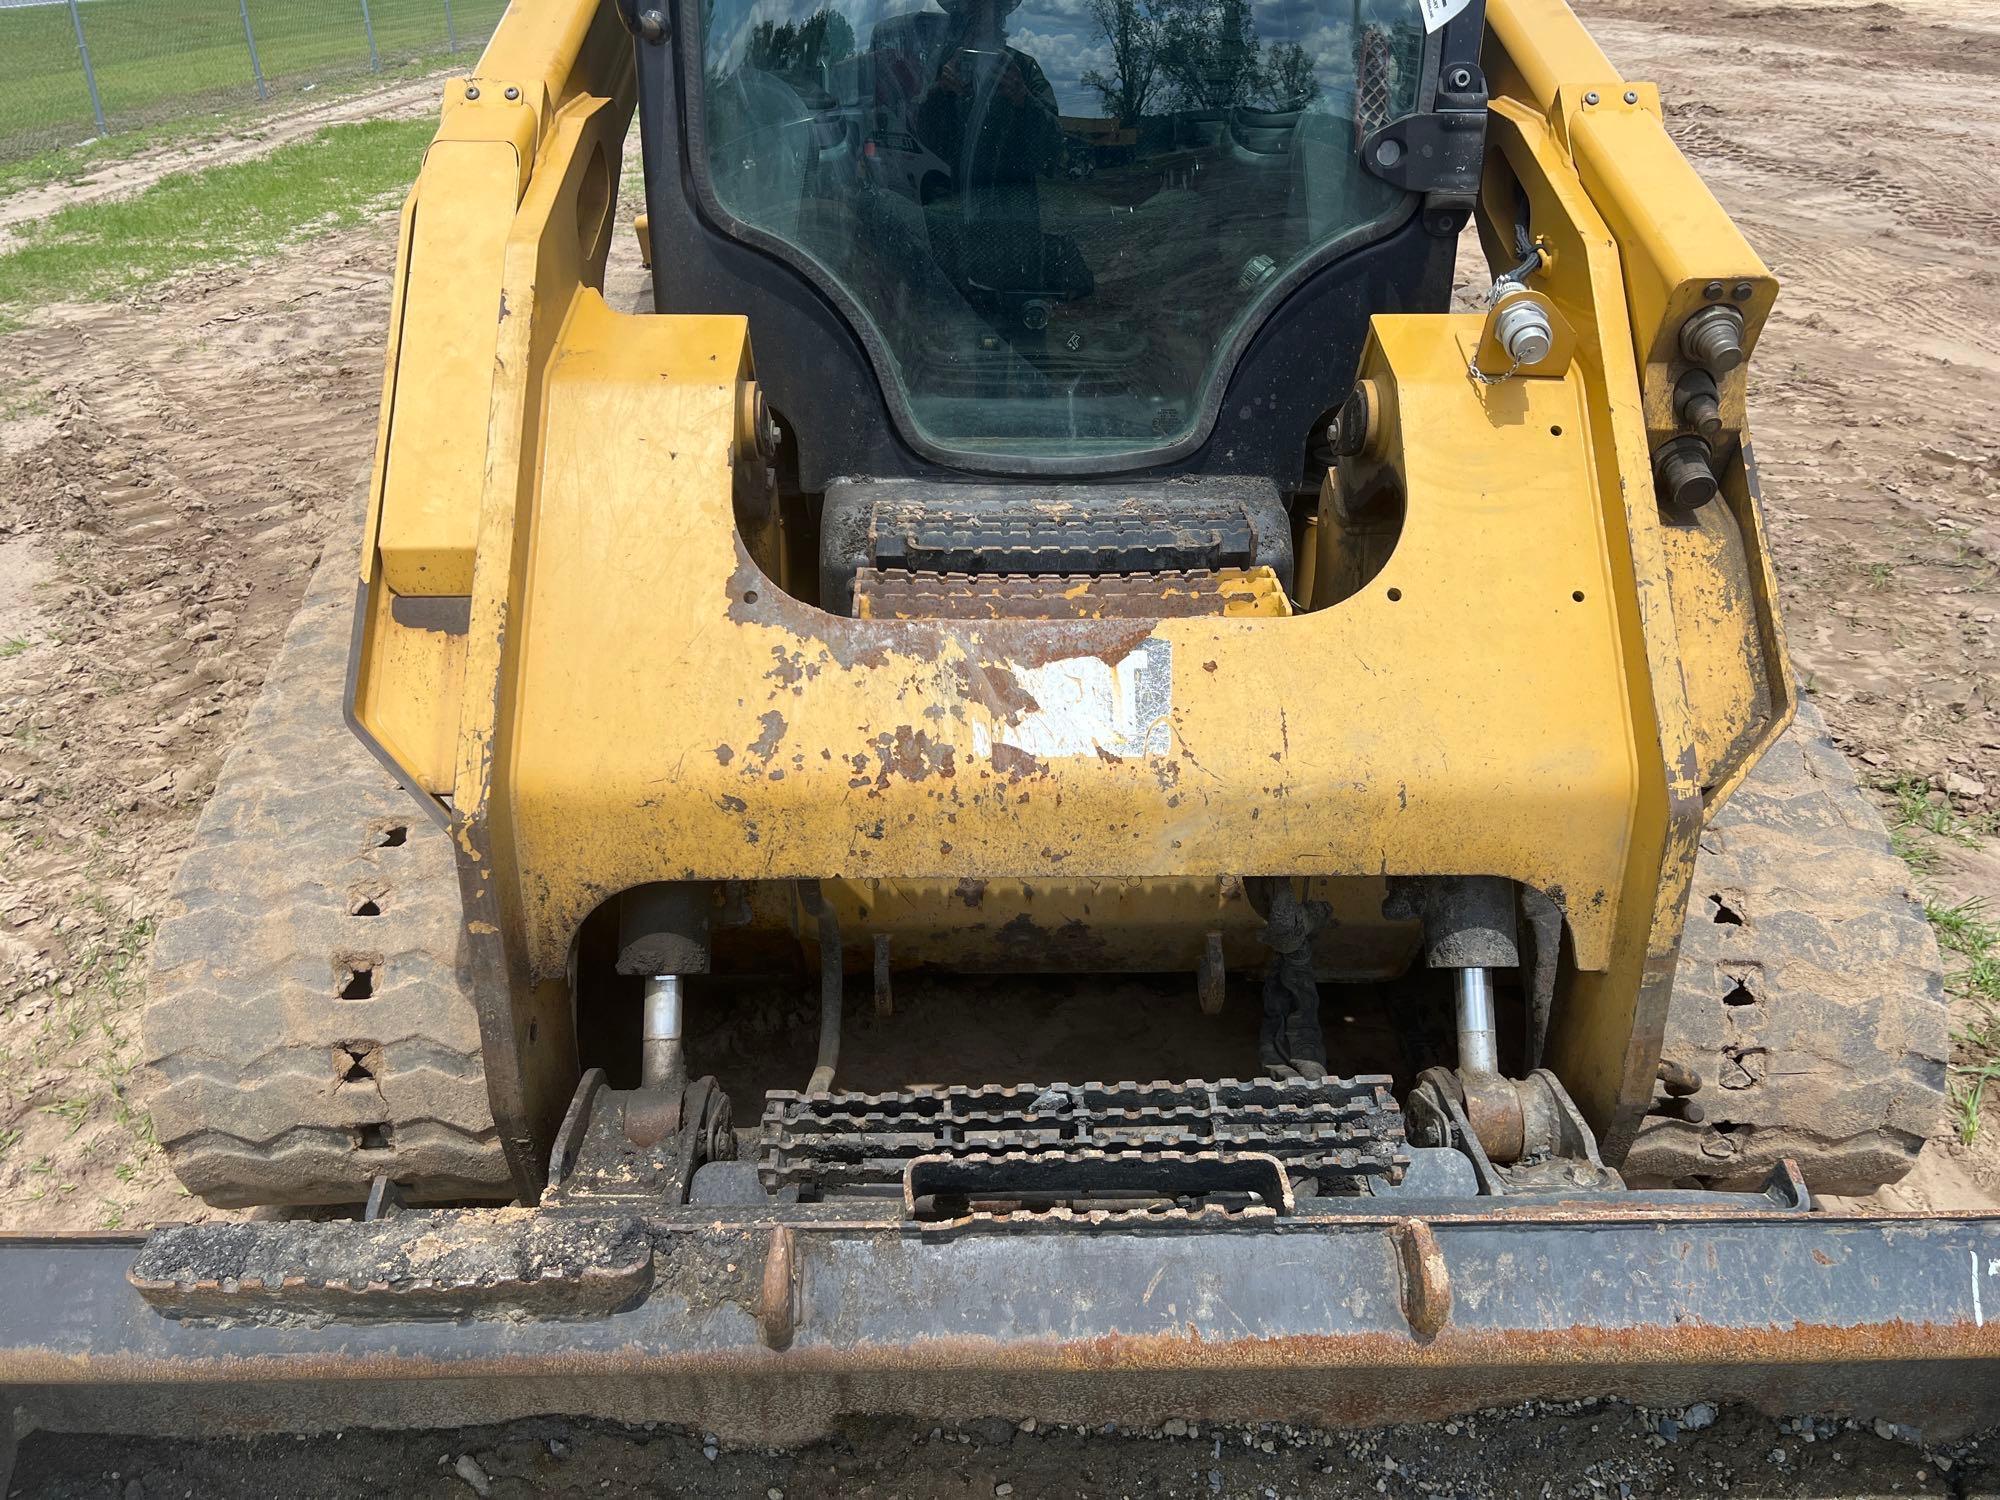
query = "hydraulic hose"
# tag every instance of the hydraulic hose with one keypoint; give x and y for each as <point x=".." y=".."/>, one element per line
<point x="830" y="985"/>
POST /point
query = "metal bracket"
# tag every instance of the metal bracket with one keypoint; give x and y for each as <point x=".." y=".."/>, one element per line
<point x="1440" y="154"/>
<point x="638" y="1146"/>
<point x="646" y="21"/>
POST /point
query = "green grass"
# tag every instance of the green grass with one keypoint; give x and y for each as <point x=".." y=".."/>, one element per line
<point x="220" y="214"/>
<point x="156" y="58"/>
<point x="1920" y="820"/>
<point x="1966" y="934"/>
<point x="207" y="120"/>
<point x="1916" y="812"/>
<point x="1968" y="1096"/>
<point x="1964" y="931"/>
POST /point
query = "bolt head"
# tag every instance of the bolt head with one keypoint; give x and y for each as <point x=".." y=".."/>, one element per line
<point x="512" y="92"/>
<point x="1631" y="96"/>
<point x="1461" y="78"/>
<point x="1713" y="291"/>
<point x="1742" y="291"/>
<point x="652" y="25"/>
<point x="1591" y="97"/>
<point x="472" y="91"/>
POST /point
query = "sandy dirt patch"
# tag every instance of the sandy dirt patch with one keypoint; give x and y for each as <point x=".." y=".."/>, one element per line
<point x="174" y="468"/>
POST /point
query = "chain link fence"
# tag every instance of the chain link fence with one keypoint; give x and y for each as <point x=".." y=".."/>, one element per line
<point x="73" y="70"/>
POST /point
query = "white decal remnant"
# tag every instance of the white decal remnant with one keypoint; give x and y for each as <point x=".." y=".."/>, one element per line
<point x="1085" y="705"/>
<point x="1437" y="12"/>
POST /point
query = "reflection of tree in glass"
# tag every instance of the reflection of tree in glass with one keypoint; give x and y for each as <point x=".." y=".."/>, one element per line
<point x="1289" y="80"/>
<point x="1208" y="50"/>
<point x="801" y="47"/>
<point x="1134" y="36"/>
<point x="1196" y="55"/>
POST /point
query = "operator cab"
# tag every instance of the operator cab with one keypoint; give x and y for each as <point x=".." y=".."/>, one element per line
<point x="1043" y="238"/>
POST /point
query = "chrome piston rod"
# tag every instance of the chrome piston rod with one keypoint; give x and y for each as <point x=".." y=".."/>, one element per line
<point x="1478" y="1037"/>
<point x="662" y="1064"/>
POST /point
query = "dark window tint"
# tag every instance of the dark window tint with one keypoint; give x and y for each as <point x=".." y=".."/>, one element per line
<point x="1055" y="215"/>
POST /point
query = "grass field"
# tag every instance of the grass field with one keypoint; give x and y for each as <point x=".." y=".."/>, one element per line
<point x="212" y="216"/>
<point x="154" y="58"/>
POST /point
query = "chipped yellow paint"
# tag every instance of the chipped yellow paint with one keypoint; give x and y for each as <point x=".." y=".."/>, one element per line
<point x="1509" y="695"/>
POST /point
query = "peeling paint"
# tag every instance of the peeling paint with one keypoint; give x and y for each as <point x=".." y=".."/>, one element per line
<point x="773" y="731"/>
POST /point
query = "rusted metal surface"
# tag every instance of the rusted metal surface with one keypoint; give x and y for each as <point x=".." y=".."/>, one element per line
<point x="778" y="1305"/>
<point x="778" y="1323"/>
<point x="1426" y="1278"/>
<point x="1334" y="1129"/>
<point x="441" y="1264"/>
<point x="897" y="594"/>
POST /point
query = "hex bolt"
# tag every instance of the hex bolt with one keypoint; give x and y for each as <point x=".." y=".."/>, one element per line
<point x="1521" y="326"/>
<point x="1713" y="339"/>
<point x="1713" y="291"/>
<point x="1696" y="403"/>
<point x="1742" y="291"/>
<point x="1683" y="474"/>
<point x="653" y="25"/>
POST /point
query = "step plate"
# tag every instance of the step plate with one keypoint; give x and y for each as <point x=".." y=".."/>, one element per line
<point x="896" y="594"/>
<point x="1340" y="1131"/>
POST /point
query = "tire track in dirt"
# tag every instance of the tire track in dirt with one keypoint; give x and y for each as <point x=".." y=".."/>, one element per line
<point x="174" y="471"/>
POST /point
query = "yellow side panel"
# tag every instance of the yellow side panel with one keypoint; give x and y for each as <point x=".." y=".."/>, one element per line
<point x="1716" y="609"/>
<point x="1448" y="718"/>
<point x="444" y="379"/>
<point x="409" y="683"/>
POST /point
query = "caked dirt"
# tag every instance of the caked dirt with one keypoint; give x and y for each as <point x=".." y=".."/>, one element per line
<point x="1858" y="147"/>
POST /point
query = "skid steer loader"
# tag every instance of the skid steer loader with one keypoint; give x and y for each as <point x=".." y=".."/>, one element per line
<point x="1045" y="591"/>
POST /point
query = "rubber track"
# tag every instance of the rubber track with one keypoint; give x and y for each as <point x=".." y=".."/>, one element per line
<point x="267" y="1086"/>
<point x="1810" y="996"/>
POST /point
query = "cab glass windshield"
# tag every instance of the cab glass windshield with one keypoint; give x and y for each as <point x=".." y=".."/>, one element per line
<point x="1053" y="217"/>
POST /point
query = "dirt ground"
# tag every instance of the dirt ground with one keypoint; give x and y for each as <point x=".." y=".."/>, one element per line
<point x="170" y="470"/>
<point x="1600" y="1450"/>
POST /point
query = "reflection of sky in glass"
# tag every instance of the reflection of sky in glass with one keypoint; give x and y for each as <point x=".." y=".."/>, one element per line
<point x="1063" y="37"/>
